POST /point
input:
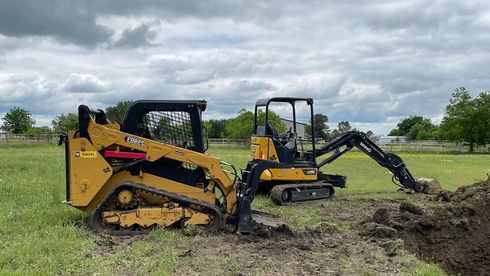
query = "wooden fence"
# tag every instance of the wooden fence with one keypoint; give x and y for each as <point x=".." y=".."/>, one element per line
<point x="411" y="146"/>
<point x="15" y="139"/>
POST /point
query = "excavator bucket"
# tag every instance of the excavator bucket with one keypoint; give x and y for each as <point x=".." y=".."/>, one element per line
<point x="429" y="186"/>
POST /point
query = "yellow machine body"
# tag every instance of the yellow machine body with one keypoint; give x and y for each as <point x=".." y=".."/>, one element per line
<point x="262" y="148"/>
<point x="91" y="178"/>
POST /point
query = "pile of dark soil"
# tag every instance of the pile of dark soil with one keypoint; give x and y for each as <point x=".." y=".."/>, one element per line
<point x="265" y="231"/>
<point x="453" y="230"/>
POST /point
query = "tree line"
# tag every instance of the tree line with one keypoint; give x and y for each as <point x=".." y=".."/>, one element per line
<point x="466" y="119"/>
<point x="322" y="130"/>
<point x="20" y="121"/>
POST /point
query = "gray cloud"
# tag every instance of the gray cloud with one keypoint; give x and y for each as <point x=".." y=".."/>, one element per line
<point x="66" y="21"/>
<point x="136" y="37"/>
<point x="172" y="10"/>
<point x="371" y="63"/>
<point x="82" y="83"/>
<point x="16" y="89"/>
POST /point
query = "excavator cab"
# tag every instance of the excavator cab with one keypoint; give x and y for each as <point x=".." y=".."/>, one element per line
<point x="269" y="144"/>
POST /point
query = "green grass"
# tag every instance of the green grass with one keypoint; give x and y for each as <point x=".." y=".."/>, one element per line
<point x="39" y="235"/>
<point x="420" y="268"/>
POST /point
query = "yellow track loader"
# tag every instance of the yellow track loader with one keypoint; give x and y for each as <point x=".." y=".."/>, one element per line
<point x="153" y="171"/>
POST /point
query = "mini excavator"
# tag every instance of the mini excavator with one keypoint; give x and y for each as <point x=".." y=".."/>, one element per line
<point x="152" y="170"/>
<point x="298" y="176"/>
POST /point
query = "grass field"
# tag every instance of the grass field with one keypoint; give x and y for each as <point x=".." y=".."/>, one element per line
<point x="39" y="235"/>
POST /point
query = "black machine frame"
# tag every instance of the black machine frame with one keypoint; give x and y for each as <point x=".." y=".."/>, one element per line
<point x="133" y="120"/>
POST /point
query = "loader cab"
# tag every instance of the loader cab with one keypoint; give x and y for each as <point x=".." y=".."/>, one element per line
<point x="286" y="146"/>
<point x="177" y="123"/>
<point x="173" y="122"/>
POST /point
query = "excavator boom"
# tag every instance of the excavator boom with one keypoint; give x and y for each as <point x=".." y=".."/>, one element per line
<point x="360" y="140"/>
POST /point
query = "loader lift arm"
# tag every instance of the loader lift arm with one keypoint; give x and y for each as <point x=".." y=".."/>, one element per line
<point x="360" y="140"/>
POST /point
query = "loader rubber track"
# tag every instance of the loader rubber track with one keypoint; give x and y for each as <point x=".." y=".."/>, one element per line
<point x="101" y="227"/>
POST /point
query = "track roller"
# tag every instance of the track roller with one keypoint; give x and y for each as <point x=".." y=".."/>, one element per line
<point x="177" y="210"/>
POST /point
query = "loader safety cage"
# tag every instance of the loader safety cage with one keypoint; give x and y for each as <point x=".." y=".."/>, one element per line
<point x="173" y="122"/>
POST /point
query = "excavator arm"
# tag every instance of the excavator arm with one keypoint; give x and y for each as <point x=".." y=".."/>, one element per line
<point x="401" y="175"/>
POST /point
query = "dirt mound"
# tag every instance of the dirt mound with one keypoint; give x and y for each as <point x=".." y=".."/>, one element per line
<point x="476" y="191"/>
<point x="266" y="231"/>
<point x="455" y="234"/>
<point x="411" y="208"/>
<point x="378" y="231"/>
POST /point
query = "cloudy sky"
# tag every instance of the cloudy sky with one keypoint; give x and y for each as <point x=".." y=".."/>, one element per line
<point x="369" y="62"/>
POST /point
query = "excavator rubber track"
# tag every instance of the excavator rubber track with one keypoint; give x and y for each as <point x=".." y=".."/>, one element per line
<point x="113" y="229"/>
<point x="283" y="194"/>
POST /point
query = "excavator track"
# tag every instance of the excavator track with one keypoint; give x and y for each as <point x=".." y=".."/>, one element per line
<point x="190" y="205"/>
<point x="283" y="194"/>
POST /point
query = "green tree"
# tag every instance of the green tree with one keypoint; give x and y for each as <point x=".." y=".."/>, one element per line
<point x="335" y="134"/>
<point x="321" y="128"/>
<point x="370" y="134"/>
<point x="415" y="127"/>
<point x="241" y="127"/>
<point x="216" y="128"/>
<point x="423" y="131"/>
<point x="17" y="120"/>
<point x="467" y="118"/>
<point x="344" y="127"/>
<point x="116" y="113"/>
<point x="64" y="122"/>
<point x="404" y="126"/>
<point x="163" y="131"/>
<point x="38" y="130"/>
<point x="483" y="118"/>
